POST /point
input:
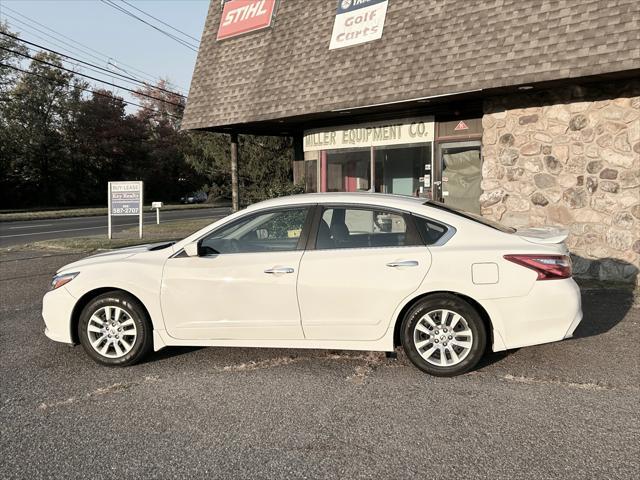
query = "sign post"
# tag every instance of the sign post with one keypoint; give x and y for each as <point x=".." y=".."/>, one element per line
<point x="157" y="206"/>
<point x="125" y="199"/>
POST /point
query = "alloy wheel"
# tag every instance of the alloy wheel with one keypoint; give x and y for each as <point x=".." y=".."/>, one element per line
<point x="112" y="332"/>
<point x="443" y="337"/>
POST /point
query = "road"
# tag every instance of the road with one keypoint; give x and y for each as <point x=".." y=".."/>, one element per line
<point x="14" y="233"/>
<point x="564" y="410"/>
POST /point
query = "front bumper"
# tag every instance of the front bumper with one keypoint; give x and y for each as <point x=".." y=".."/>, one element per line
<point x="57" y="308"/>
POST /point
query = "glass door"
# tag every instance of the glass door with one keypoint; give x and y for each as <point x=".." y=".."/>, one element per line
<point x="460" y="172"/>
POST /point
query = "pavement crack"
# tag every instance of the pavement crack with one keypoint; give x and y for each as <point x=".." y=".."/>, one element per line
<point x="360" y="375"/>
<point x="253" y="365"/>
<point x="562" y="383"/>
<point x="98" y="392"/>
<point x="371" y="361"/>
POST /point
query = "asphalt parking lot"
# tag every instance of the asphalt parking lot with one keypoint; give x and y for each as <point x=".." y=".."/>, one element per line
<point x="563" y="410"/>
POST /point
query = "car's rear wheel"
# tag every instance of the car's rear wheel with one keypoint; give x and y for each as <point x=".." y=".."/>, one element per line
<point x="115" y="330"/>
<point x="443" y="335"/>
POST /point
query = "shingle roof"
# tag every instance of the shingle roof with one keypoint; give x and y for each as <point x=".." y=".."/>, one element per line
<point x="429" y="47"/>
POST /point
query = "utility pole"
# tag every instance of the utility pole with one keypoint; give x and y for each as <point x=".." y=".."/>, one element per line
<point x="234" y="172"/>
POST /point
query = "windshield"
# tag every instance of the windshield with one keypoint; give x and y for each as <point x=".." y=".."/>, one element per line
<point x="470" y="216"/>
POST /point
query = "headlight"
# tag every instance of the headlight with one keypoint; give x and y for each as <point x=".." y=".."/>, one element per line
<point x="62" y="279"/>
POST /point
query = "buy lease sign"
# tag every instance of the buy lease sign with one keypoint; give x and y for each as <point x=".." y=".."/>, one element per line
<point x="242" y="16"/>
<point x="358" y="21"/>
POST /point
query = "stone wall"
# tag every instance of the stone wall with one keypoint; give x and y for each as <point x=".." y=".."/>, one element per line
<point x="571" y="157"/>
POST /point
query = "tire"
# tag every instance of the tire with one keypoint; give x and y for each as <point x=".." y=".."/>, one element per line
<point x="425" y="337"/>
<point x="125" y="339"/>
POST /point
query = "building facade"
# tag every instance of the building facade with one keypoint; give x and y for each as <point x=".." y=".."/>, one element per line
<point x="527" y="112"/>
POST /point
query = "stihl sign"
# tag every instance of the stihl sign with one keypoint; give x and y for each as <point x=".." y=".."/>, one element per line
<point x="242" y="16"/>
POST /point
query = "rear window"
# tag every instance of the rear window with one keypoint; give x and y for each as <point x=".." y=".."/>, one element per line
<point x="470" y="216"/>
<point x="429" y="230"/>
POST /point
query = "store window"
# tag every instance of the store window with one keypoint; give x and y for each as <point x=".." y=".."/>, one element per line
<point x="397" y="169"/>
<point x="400" y="169"/>
<point x="389" y="157"/>
<point x="348" y="170"/>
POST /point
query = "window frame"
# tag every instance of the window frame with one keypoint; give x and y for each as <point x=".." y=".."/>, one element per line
<point x="322" y="207"/>
<point x="302" y="239"/>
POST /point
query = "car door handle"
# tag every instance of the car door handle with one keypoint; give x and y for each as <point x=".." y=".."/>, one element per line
<point x="403" y="263"/>
<point x="276" y="270"/>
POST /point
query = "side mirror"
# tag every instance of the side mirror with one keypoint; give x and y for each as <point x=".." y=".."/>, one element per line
<point x="191" y="249"/>
<point x="262" y="234"/>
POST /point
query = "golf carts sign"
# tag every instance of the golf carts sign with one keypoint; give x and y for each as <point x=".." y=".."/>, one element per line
<point x="125" y="199"/>
<point x="243" y="16"/>
<point x="358" y="21"/>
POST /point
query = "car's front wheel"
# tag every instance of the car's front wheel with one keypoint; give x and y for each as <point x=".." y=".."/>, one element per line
<point x="115" y="330"/>
<point x="443" y="335"/>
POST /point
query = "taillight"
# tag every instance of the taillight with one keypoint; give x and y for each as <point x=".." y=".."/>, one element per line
<point x="548" y="267"/>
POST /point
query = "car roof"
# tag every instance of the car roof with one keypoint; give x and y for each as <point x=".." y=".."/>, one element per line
<point x="383" y="199"/>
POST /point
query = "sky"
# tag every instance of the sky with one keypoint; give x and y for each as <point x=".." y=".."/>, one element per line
<point x="93" y="24"/>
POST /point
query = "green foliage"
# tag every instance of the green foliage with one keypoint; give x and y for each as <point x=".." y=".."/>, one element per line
<point x="264" y="165"/>
<point x="60" y="145"/>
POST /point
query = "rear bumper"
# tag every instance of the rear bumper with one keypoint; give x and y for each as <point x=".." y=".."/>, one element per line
<point x="57" y="307"/>
<point x="551" y="311"/>
<point x="574" y="325"/>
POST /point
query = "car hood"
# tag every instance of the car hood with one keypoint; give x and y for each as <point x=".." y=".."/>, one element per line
<point x="109" y="256"/>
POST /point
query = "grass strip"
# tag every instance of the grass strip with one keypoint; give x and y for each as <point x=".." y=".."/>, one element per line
<point x="89" y="212"/>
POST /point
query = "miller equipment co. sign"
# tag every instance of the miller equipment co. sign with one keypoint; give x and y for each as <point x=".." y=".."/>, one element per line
<point x="243" y="16"/>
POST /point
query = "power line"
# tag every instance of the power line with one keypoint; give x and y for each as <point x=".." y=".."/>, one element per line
<point x="120" y="8"/>
<point x="77" y="48"/>
<point x="50" y="80"/>
<point x="80" y="47"/>
<point x="131" y="79"/>
<point x="158" y="20"/>
<point x="92" y="78"/>
<point x="164" y="32"/>
<point x="73" y="50"/>
<point x="56" y="41"/>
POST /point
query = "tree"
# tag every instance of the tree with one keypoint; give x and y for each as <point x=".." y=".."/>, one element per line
<point x="60" y="145"/>
<point x="208" y="154"/>
<point x="160" y="105"/>
<point x="34" y="112"/>
<point x="8" y="59"/>
<point x="166" y="173"/>
<point x="104" y="143"/>
<point x="265" y="168"/>
<point x="264" y="165"/>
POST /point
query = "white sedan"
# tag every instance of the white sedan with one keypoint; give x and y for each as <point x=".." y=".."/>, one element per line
<point x="352" y="271"/>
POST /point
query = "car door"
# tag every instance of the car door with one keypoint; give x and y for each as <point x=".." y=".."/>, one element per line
<point x="365" y="262"/>
<point x="242" y="285"/>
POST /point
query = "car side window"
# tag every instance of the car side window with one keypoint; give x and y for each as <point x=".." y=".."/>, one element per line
<point x="429" y="230"/>
<point x="273" y="231"/>
<point x="365" y="228"/>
